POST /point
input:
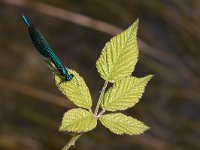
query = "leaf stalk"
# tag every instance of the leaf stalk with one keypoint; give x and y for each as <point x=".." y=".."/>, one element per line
<point x="100" y="98"/>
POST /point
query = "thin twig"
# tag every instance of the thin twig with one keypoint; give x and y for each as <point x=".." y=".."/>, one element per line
<point x="100" y="97"/>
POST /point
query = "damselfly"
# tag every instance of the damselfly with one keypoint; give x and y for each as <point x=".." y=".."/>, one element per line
<point x="45" y="50"/>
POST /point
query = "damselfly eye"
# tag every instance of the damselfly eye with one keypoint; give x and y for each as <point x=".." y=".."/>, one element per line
<point x="70" y="77"/>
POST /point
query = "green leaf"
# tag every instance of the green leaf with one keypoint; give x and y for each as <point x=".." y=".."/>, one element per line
<point x="121" y="124"/>
<point x="78" y="120"/>
<point x="76" y="90"/>
<point x="125" y="93"/>
<point x="119" y="56"/>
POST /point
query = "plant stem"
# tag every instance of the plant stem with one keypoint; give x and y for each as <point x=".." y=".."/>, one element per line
<point x="100" y="97"/>
<point x="72" y="141"/>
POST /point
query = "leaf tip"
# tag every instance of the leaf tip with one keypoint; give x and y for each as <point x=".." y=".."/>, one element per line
<point x="136" y="24"/>
<point x="150" y="76"/>
<point x="137" y="21"/>
<point x="146" y="128"/>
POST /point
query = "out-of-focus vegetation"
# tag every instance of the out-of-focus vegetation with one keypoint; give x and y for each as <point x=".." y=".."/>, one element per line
<point x="31" y="107"/>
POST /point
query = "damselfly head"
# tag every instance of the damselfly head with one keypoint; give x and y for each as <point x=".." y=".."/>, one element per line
<point x="69" y="77"/>
<point x="65" y="73"/>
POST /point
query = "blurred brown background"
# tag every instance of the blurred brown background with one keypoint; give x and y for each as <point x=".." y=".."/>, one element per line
<point x="31" y="107"/>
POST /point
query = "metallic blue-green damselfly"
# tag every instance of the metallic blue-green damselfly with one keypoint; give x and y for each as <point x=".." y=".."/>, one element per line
<point x="45" y="50"/>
